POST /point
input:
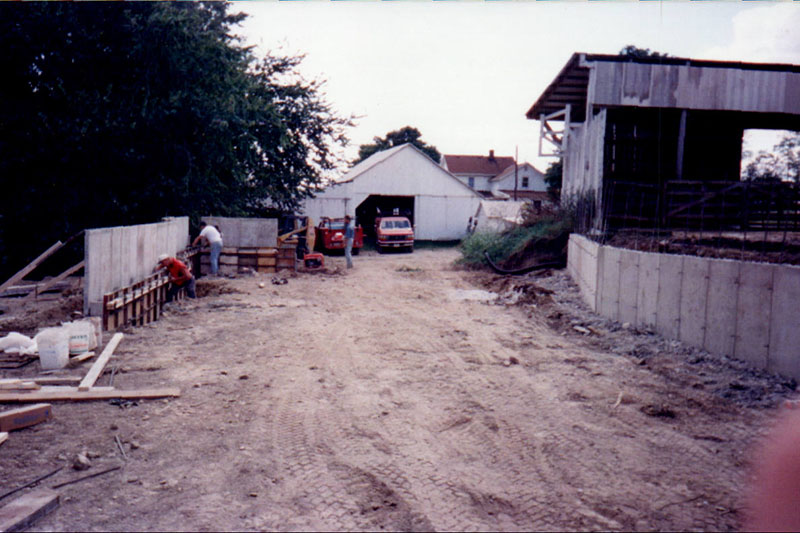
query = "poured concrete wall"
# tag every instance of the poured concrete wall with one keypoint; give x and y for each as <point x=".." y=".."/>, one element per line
<point x="740" y="309"/>
<point x="246" y="232"/>
<point x="117" y="257"/>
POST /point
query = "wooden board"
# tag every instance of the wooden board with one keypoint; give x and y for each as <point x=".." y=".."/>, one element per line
<point x="56" y="280"/>
<point x="23" y="512"/>
<point x="78" y="359"/>
<point x="58" y="380"/>
<point x="267" y="261"/>
<point x="3" y="437"/>
<point x="29" y="268"/>
<point x="25" y="416"/>
<point x="53" y="394"/>
<point x="100" y="364"/>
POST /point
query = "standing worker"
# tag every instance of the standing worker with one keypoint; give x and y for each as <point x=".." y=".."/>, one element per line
<point x="349" y="235"/>
<point x="214" y="240"/>
<point x="179" y="276"/>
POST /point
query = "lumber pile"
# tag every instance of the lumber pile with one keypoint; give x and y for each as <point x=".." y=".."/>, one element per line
<point x="46" y="389"/>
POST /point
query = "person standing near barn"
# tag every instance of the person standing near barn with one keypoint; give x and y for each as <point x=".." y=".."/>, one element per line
<point x="349" y="235"/>
<point x="214" y="239"/>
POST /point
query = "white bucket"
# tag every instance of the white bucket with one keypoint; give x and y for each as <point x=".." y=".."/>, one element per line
<point x="80" y="336"/>
<point x="53" y="348"/>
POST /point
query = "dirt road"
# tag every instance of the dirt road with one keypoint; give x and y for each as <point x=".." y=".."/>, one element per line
<point x="392" y="397"/>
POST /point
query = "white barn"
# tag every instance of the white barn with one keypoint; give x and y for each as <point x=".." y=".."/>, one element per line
<point x="405" y="181"/>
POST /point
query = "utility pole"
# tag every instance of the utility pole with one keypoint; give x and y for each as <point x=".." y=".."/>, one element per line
<point x="516" y="155"/>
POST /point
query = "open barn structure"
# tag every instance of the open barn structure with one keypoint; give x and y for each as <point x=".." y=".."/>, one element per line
<point x="656" y="142"/>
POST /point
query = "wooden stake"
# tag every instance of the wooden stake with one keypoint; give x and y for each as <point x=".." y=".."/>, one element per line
<point x="100" y="364"/>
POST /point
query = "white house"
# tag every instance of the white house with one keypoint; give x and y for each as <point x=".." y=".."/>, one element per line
<point x="530" y="184"/>
<point x="405" y="181"/>
<point x="495" y="217"/>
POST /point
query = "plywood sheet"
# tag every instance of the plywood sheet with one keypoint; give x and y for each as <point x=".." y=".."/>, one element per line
<point x="753" y="311"/>
<point x="694" y="291"/>
<point x="723" y="288"/>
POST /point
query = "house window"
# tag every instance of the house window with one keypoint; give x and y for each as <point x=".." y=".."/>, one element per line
<point x="471" y="181"/>
<point x="524" y="182"/>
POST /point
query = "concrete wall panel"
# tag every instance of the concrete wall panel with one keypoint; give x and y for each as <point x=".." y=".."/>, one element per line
<point x="668" y="313"/>
<point x="784" y="345"/>
<point x="694" y="292"/>
<point x="608" y="290"/>
<point x="628" y="285"/>
<point x="723" y="288"/>
<point x="753" y="311"/>
<point x="647" y="290"/>
<point x="247" y="232"/>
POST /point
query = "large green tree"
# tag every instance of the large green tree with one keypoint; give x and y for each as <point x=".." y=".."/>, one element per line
<point x="404" y="135"/>
<point x="781" y="163"/>
<point x="119" y="113"/>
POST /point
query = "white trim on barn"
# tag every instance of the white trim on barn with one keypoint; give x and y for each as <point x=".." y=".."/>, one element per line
<point x="442" y="205"/>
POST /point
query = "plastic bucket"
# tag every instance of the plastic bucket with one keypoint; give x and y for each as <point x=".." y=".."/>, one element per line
<point x="80" y="336"/>
<point x="53" y="348"/>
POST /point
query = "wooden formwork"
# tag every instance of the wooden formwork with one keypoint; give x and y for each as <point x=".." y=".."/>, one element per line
<point x="265" y="259"/>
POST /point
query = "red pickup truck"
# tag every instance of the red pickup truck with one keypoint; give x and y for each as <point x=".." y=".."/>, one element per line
<point x="394" y="232"/>
<point x="330" y="235"/>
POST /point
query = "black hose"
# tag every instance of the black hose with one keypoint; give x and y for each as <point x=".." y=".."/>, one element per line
<point x="540" y="266"/>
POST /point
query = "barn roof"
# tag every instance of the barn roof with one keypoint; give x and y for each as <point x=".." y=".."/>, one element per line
<point x="571" y="85"/>
<point x="510" y="171"/>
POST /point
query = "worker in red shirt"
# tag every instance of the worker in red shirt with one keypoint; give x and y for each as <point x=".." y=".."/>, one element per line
<point x="179" y="276"/>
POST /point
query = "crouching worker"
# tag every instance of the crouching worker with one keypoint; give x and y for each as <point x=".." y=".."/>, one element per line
<point x="179" y="276"/>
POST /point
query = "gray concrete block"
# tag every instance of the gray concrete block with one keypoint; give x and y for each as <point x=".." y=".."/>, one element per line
<point x="723" y="288"/>
<point x="668" y="312"/>
<point x="694" y="291"/>
<point x="628" y="285"/>
<point x="608" y="290"/>
<point x="753" y="311"/>
<point x="647" y="290"/>
<point x="784" y="345"/>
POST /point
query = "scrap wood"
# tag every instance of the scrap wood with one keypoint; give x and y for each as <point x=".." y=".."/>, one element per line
<point x="50" y="394"/>
<point x="3" y="436"/>
<point x="30" y="484"/>
<point x="100" y="364"/>
<point x="57" y="380"/>
<point x="68" y="272"/>
<point x="18" y="384"/>
<point x="70" y="482"/>
<point x="23" y="512"/>
<point x="78" y="359"/>
<point x="23" y="417"/>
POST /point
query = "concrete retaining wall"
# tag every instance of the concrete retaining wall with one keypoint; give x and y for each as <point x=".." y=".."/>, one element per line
<point x="117" y="257"/>
<point x="740" y="309"/>
<point x="246" y="232"/>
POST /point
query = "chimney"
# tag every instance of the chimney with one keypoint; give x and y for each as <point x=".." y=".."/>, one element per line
<point x="491" y="155"/>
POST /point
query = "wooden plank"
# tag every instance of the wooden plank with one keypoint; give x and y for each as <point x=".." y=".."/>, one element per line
<point x="100" y="364"/>
<point x="25" y="416"/>
<point x="78" y="359"/>
<point x="52" y="394"/>
<point x="18" y="384"/>
<point x="68" y="272"/>
<point x="33" y="264"/>
<point x="3" y="437"/>
<point x="23" y="512"/>
<point x="58" y="380"/>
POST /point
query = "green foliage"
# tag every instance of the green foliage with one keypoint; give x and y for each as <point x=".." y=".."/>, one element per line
<point x="636" y="52"/>
<point x="782" y="163"/>
<point x="121" y="113"/>
<point x="404" y="135"/>
<point x="502" y="246"/>
<point x="553" y="177"/>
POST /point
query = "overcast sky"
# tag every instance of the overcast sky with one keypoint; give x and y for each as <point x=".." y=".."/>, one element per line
<point x="464" y="73"/>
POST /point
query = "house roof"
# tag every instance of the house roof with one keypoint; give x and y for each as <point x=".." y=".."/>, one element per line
<point x="510" y="170"/>
<point x="571" y="85"/>
<point x="477" y="164"/>
<point x="379" y="157"/>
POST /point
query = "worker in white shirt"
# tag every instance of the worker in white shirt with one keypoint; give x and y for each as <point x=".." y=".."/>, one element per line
<point x="214" y="239"/>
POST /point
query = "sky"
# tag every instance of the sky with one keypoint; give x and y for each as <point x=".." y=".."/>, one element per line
<point x="465" y="72"/>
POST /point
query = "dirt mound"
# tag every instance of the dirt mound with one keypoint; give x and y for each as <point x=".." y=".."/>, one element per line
<point x="27" y="317"/>
<point x="214" y="287"/>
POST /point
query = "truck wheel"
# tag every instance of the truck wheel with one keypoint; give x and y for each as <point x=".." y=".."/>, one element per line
<point x="411" y="249"/>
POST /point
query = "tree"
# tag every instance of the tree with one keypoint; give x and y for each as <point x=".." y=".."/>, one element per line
<point x="553" y="178"/>
<point x="121" y="113"/>
<point x="636" y="52"/>
<point x="782" y="163"/>
<point x="397" y="138"/>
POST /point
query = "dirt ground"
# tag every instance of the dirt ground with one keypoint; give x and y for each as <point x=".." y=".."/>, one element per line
<point x="405" y="394"/>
